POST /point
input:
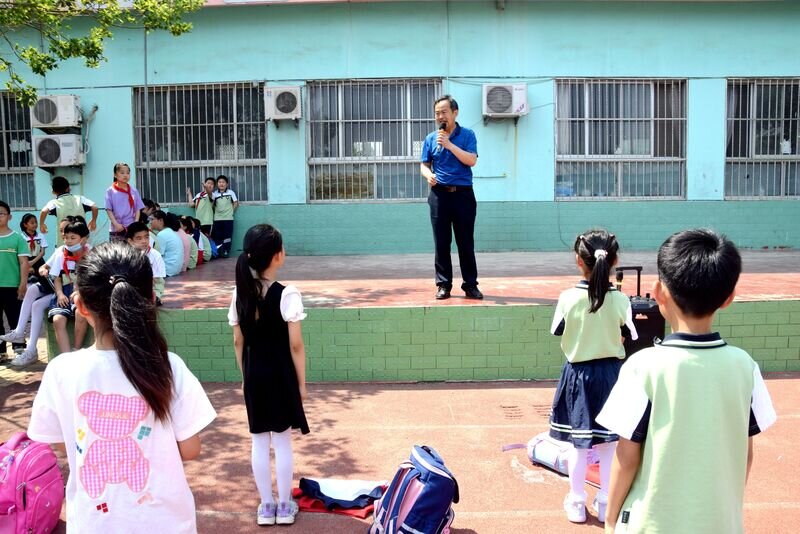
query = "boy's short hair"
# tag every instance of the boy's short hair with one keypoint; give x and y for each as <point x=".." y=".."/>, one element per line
<point x="172" y="222"/>
<point x="700" y="268"/>
<point x="60" y="185"/>
<point x="76" y="227"/>
<point x="5" y="205"/>
<point x="135" y="228"/>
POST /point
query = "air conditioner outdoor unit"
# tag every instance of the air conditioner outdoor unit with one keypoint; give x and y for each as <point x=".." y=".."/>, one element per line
<point x="62" y="150"/>
<point x="56" y="111"/>
<point x="505" y="100"/>
<point x="282" y="103"/>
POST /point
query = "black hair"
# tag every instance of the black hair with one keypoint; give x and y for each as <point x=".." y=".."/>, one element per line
<point x="172" y="222"/>
<point x="149" y="203"/>
<point x="261" y="243"/>
<point x="119" y="165"/>
<point x="60" y="185"/>
<point x="159" y="214"/>
<point x="196" y="222"/>
<point x="700" y="268"/>
<point x="134" y="228"/>
<point x="586" y="247"/>
<point x="115" y="282"/>
<point x="76" y="226"/>
<point x="73" y="219"/>
<point x="449" y="99"/>
<point x="223" y="177"/>
<point x="187" y="223"/>
<point x="212" y="179"/>
<point x="6" y="206"/>
<point x="25" y="218"/>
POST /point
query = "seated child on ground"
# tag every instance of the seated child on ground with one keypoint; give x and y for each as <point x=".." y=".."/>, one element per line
<point x="194" y="252"/>
<point x="138" y="237"/>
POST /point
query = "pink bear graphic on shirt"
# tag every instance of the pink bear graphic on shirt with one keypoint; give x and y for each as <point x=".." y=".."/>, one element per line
<point x="115" y="457"/>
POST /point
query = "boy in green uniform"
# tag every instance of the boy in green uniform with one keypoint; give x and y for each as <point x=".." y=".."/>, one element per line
<point x="203" y="204"/>
<point x="13" y="262"/>
<point x="686" y="409"/>
<point x="66" y="204"/>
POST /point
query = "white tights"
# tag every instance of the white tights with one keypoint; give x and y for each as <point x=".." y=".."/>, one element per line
<point x="576" y="464"/>
<point x="33" y="306"/>
<point x="284" y="466"/>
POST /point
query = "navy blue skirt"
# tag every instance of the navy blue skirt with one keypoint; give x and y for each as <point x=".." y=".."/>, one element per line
<point x="581" y="393"/>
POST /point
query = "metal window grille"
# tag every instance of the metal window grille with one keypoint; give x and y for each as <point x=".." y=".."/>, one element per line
<point x="620" y="139"/>
<point x="16" y="157"/>
<point x="762" y="158"/>
<point x="185" y="133"/>
<point x="366" y="138"/>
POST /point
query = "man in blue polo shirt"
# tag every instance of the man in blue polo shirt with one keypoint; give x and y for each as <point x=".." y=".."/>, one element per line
<point x="448" y="156"/>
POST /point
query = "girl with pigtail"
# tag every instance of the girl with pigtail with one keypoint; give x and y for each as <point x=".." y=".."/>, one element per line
<point x="266" y="316"/>
<point x="591" y="318"/>
<point x="125" y="399"/>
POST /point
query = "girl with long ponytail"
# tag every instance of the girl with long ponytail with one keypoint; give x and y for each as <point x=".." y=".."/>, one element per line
<point x="591" y="319"/>
<point x="128" y="411"/>
<point x="265" y="316"/>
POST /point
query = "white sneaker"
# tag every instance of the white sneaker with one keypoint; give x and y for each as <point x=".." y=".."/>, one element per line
<point x="286" y="513"/>
<point x="26" y="358"/>
<point x="576" y="509"/>
<point x="12" y="337"/>
<point x="599" y="506"/>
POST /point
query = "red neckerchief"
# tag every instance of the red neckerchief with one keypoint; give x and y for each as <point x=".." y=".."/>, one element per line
<point x="117" y="187"/>
<point x="68" y="256"/>
<point x="31" y="241"/>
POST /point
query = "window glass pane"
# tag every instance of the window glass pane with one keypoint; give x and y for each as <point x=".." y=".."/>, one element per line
<point x="604" y="138"/>
<point x="652" y="179"/>
<point x="603" y="100"/>
<point x="383" y="122"/>
<point x="197" y="131"/>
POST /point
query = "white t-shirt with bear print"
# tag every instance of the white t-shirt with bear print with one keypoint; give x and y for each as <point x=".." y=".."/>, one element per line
<point x="126" y="473"/>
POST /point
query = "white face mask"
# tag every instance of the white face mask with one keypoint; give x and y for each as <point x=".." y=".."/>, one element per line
<point x="73" y="248"/>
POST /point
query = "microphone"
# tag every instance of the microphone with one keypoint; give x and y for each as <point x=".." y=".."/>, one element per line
<point x="442" y="127"/>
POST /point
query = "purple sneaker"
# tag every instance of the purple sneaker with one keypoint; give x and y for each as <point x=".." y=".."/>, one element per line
<point x="266" y="513"/>
<point x="286" y="513"/>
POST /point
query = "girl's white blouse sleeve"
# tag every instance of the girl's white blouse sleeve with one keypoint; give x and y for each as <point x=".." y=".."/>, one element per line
<point x="292" y="305"/>
<point x="233" y="317"/>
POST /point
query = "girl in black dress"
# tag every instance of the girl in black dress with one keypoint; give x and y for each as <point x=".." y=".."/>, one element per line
<point x="266" y="316"/>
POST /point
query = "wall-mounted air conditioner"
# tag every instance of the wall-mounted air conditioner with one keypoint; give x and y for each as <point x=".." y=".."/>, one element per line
<point x="282" y="103"/>
<point x="62" y="150"/>
<point x="56" y="111"/>
<point x="505" y="100"/>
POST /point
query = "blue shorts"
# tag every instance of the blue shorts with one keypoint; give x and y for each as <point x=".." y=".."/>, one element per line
<point x="55" y="309"/>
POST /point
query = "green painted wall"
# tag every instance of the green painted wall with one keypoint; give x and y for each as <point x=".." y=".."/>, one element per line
<point x="453" y="343"/>
<point x="325" y="229"/>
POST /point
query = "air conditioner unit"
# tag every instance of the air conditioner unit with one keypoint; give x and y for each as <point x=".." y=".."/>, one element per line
<point x="505" y="100"/>
<point x="282" y="103"/>
<point x="62" y="150"/>
<point x="56" y="111"/>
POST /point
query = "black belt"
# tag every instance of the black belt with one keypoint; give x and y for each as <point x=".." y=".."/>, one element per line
<point x="452" y="188"/>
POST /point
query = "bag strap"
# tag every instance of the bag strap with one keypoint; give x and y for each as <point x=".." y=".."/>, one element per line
<point x="412" y="474"/>
<point x="15" y="440"/>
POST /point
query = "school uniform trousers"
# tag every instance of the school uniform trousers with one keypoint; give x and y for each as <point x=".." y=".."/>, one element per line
<point x="9" y="306"/>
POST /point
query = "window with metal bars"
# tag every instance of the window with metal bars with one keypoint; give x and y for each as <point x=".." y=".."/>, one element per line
<point x="762" y="158"/>
<point x="16" y="157"/>
<point x="620" y="139"/>
<point x="366" y="138"/>
<point x="185" y="133"/>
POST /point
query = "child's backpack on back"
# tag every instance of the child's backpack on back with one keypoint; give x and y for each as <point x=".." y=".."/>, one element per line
<point x="31" y="487"/>
<point x="419" y="497"/>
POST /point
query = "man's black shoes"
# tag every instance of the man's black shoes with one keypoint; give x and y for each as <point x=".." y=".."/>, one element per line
<point x="473" y="293"/>
<point x="442" y="293"/>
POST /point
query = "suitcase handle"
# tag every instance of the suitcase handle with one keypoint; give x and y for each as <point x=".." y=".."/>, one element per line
<point x="638" y="269"/>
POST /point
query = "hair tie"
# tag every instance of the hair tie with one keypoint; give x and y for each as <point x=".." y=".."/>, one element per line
<point x="600" y="253"/>
<point x="116" y="279"/>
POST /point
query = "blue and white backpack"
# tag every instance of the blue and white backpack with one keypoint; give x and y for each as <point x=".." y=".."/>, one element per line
<point x="419" y="498"/>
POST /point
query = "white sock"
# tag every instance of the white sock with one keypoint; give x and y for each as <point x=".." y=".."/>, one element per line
<point x="605" y="452"/>
<point x="576" y="464"/>
<point x="284" y="463"/>
<point x="262" y="470"/>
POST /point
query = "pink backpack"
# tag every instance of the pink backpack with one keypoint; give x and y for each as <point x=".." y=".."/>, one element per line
<point x="31" y="487"/>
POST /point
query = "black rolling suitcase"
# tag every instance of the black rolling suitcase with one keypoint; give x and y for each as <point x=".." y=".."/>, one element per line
<point x="647" y="318"/>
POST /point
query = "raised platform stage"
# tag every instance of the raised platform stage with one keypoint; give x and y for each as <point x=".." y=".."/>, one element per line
<point x="374" y="318"/>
